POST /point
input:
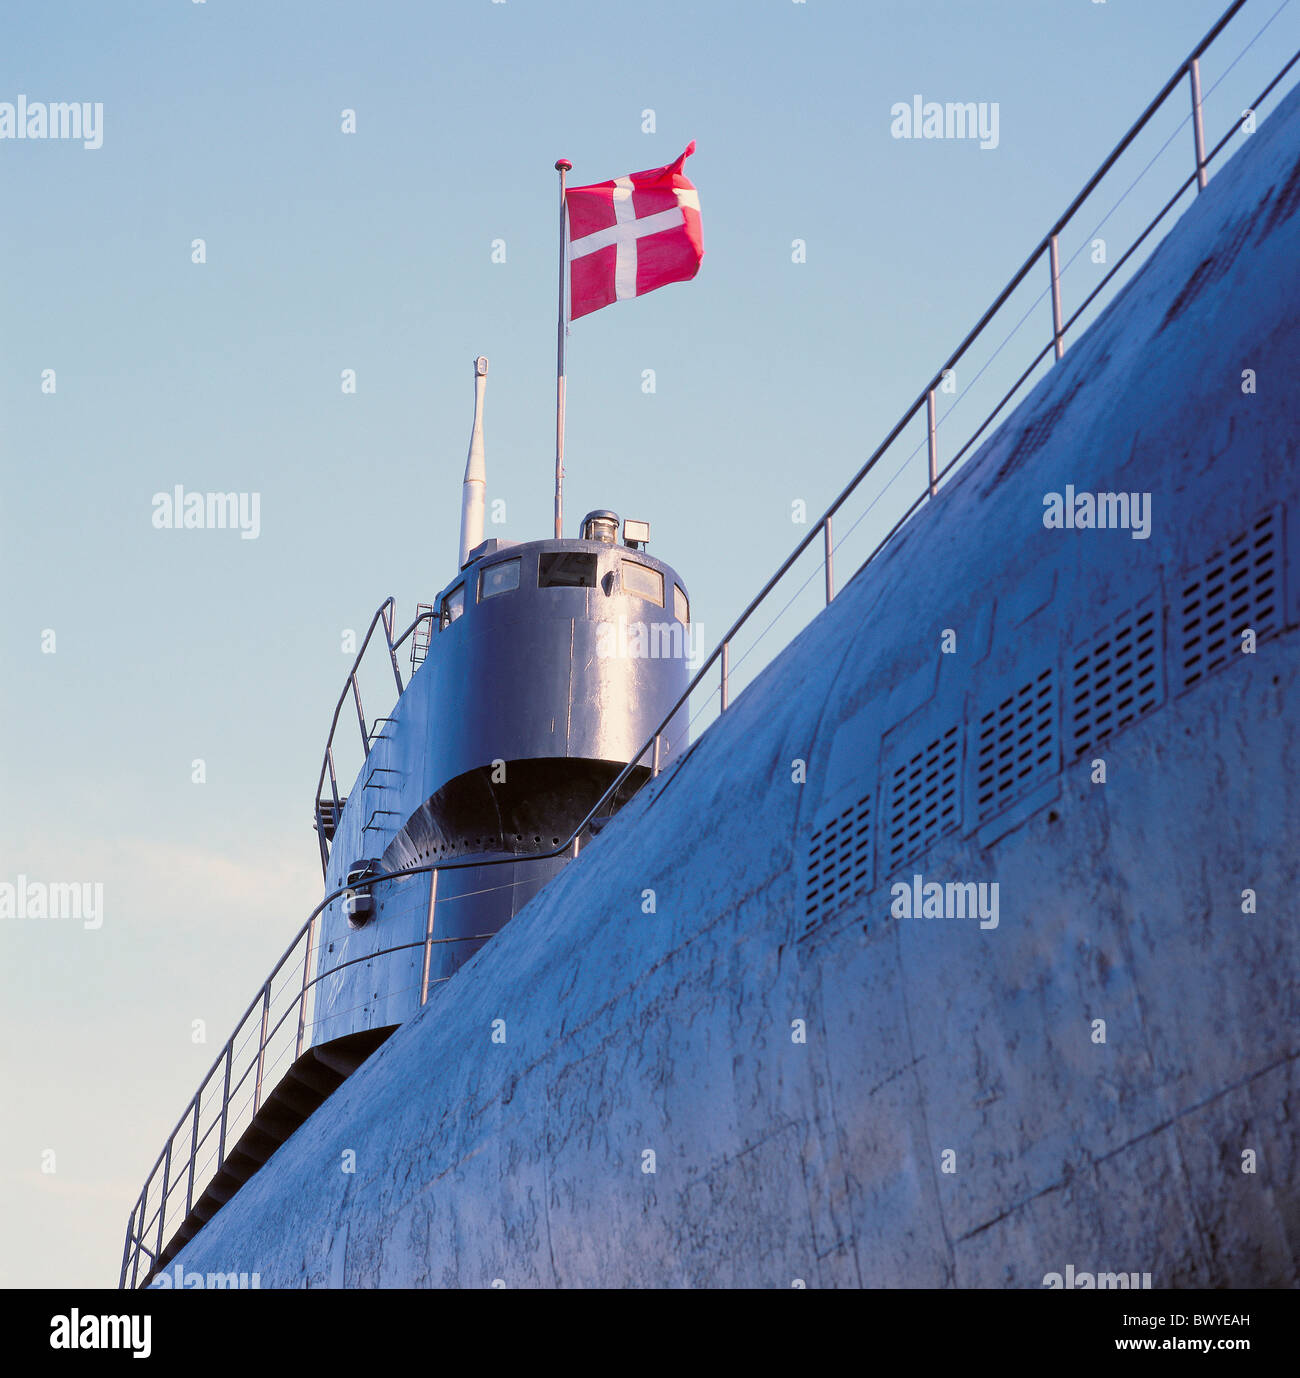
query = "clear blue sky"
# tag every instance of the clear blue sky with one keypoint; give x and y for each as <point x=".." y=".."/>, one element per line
<point x="372" y="251"/>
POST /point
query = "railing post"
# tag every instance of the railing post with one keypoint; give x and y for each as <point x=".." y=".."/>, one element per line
<point x="126" y="1250"/>
<point x="654" y="759"/>
<point x="137" y="1237"/>
<point x="933" y="442"/>
<point x="320" y="838"/>
<point x="1198" y="125"/>
<point x="576" y="844"/>
<point x="1054" y="256"/>
<point x="428" y="936"/>
<point x="194" y="1154"/>
<point x="392" y="652"/>
<point x="162" y="1200"/>
<point x="361" y="717"/>
<point x="726" y="672"/>
<point x="306" y="979"/>
<point x="334" y="782"/>
<point x="830" y="559"/>
<point x="137" y="1243"/>
<point x="261" y="1046"/>
<point x="225" y="1106"/>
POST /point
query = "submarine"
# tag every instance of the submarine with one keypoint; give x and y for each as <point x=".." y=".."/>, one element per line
<point x="954" y="953"/>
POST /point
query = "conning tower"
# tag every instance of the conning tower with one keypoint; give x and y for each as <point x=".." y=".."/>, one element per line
<point x="549" y="666"/>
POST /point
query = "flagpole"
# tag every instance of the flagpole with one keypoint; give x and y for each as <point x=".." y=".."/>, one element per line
<point x="562" y="166"/>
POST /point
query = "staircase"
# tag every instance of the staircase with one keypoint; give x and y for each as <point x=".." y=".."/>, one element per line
<point x="312" y="1079"/>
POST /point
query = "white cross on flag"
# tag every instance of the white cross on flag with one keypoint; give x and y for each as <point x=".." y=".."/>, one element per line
<point x="631" y="235"/>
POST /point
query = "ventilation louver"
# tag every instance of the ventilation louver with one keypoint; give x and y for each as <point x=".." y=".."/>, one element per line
<point x="839" y="862"/>
<point x="1016" y="745"/>
<point x="1115" y="677"/>
<point x="1236" y="588"/>
<point x="922" y="799"/>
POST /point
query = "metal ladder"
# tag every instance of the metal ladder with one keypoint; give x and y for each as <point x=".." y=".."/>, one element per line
<point x="423" y="634"/>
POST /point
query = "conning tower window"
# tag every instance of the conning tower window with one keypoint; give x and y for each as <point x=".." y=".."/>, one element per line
<point x="681" y="608"/>
<point x="452" y="606"/>
<point x="566" y="569"/>
<point x="498" y="578"/>
<point x="643" y="581"/>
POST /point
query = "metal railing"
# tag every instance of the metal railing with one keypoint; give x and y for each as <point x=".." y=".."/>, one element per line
<point x="1047" y="248"/>
<point x="383" y="618"/>
<point x="148" y="1224"/>
<point x="269" y="1037"/>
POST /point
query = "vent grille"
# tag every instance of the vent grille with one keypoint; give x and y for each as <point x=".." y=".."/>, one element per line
<point x="839" y="862"/>
<point x="1016" y="745"/>
<point x="1115" y="678"/>
<point x="1235" y="588"/>
<point x="924" y="801"/>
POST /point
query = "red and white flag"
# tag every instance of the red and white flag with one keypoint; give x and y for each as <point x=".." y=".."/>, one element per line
<point x="631" y="235"/>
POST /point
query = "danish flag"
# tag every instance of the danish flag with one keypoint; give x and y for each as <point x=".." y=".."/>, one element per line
<point x="631" y="235"/>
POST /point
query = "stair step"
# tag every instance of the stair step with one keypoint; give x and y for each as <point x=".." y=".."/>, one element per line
<point x="300" y="1099"/>
<point x="305" y="1085"/>
<point x="316" y="1078"/>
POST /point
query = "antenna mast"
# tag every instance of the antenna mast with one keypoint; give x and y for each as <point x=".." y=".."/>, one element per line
<point x="474" y="489"/>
